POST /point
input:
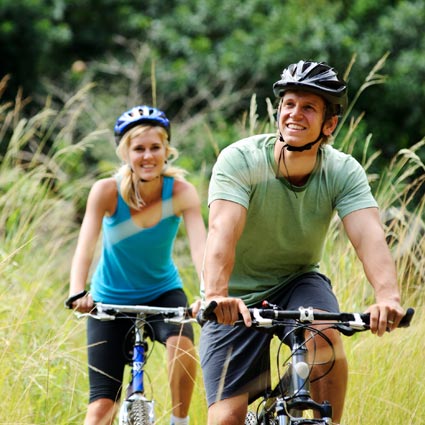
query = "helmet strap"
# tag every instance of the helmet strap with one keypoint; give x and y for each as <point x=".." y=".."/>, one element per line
<point x="305" y="147"/>
<point x="282" y="160"/>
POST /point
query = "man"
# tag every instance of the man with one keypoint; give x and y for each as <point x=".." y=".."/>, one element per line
<point x="271" y="201"/>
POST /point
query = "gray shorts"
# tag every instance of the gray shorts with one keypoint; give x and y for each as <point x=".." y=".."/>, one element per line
<point x="236" y="360"/>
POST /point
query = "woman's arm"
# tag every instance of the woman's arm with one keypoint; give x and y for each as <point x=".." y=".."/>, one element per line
<point x="101" y="201"/>
<point x="189" y="205"/>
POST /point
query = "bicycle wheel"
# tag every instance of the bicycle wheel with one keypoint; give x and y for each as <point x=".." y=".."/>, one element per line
<point x="137" y="412"/>
<point x="251" y="419"/>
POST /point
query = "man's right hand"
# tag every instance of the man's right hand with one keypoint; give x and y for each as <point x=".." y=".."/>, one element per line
<point x="229" y="310"/>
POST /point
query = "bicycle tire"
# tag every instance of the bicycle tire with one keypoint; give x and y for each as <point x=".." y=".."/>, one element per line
<point x="137" y="412"/>
<point x="251" y="419"/>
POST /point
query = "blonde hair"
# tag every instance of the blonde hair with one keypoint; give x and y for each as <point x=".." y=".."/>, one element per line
<point x="129" y="183"/>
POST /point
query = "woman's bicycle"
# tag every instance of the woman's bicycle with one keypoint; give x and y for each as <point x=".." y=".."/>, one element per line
<point x="137" y="409"/>
<point x="290" y="399"/>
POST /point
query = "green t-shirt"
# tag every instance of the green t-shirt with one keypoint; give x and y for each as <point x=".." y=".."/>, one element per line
<point x="286" y="226"/>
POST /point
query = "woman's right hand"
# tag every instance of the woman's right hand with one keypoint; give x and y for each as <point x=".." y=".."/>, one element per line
<point x="83" y="304"/>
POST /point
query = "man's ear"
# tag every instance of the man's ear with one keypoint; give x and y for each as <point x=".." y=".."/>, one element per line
<point x="278" y="111"/>
<point x="330" y="125"/>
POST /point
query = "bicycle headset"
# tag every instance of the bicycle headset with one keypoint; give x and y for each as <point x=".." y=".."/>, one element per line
<point x="317" y="78"/>
<point x="138" y="115"/>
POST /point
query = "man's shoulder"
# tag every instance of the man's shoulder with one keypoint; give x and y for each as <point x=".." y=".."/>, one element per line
<point x="336" y="158"/>
<point x="249" y="150"/>
<point x="252" y="143"/>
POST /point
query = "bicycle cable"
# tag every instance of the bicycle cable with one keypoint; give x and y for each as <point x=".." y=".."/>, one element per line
<point x="314" y="332"/>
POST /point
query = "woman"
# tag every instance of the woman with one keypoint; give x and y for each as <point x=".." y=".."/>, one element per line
<point x="138" y="211"/>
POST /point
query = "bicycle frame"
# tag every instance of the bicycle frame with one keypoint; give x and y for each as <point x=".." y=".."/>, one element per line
<point x="136" y="408"/>
<point x="287" y="402"/>
<point x="292" y="394"/>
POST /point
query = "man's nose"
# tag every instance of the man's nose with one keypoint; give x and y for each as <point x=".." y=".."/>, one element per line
<point x="296" y="111"/>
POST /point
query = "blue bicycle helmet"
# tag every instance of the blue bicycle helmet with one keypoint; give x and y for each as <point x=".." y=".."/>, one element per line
<point x="140" y="115"/>
<point x="315" y="77"/>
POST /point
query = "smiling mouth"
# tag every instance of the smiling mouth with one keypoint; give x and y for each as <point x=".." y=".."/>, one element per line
<point x="295" y="127"/>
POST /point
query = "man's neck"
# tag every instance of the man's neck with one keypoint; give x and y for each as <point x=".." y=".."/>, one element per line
<point x="295" y="166"/>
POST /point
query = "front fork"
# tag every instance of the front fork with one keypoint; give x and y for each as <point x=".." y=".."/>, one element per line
<point x="136" y="389"/>
<point x="137" y="373"/>
<point x="299" y="385"/>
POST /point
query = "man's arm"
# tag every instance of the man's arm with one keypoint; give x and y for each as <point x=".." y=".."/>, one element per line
<point x="364" y="228"/>
<point x="226" y="223"/>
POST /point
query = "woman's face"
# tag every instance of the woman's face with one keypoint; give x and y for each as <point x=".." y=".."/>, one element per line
<point x="147" y="155"/>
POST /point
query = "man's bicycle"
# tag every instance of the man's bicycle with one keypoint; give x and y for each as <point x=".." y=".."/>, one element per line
<point x="137" y="409"/>
<point x="290" y="399"/>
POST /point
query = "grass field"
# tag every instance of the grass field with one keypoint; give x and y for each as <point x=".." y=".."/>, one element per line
<point x="43" y="377"/>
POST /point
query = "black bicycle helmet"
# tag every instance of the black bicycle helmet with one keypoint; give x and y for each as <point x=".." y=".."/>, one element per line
<point x="140" y="115"/>
<point x="315" y="77"/>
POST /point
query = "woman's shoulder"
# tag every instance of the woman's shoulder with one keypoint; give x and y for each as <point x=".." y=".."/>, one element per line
<point x="185" y="194"/>
<point x="108" y="185"/>
<point x="181" y="185"/>
<point x="104" y="193"/>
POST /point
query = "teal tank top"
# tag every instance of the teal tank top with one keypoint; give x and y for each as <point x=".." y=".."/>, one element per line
<point x="136" y="264"/>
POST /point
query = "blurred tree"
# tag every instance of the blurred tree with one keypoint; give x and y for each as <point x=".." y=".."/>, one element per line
<point x="190" y="56"/>
<point x="394" y="110"/>
<point x="29" y="33"/>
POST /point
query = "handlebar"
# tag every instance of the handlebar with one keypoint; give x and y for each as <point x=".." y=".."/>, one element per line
<point x="271" y="316"/>
<point x="106" y="312"/>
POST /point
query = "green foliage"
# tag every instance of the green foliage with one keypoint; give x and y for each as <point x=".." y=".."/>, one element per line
<point x="43" y="185"/>
<point x="197" y="56"/>
<point x="29" y="34"/>
<point x="393" y="110"/>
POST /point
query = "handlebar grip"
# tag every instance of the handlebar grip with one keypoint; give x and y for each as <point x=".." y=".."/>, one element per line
<point x="208" y="314"/>
<point x="405" y="321"/>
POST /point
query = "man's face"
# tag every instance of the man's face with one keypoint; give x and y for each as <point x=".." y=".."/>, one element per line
<point x="301" y="116"/>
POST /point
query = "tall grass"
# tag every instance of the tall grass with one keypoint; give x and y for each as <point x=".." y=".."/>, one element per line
<point x="43" y="376"/>
<point x="42" y="366"/>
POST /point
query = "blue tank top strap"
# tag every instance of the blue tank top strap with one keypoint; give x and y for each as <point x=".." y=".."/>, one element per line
<point x="167" y="190"/>
<point x="122" y="212"/>
<point x="167" y="197"/>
